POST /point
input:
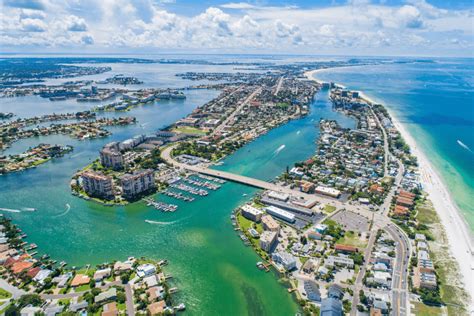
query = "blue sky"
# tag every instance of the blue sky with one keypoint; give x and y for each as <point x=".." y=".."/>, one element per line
<point x="342" y="27"/>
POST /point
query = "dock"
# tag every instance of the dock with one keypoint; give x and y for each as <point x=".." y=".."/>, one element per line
<point x="160" y="205"/>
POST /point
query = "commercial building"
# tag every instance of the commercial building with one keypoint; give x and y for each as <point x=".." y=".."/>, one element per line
<point x="268" y="240"/>
<point x="279" y="213"/>
<point x="278" y="196"/>
<point x="138" y="182"/>
<point x="111" y="157"/>
<point x="251" y="213"/>
<point x="327" y="191"/>
<point x="285" y="259"/>
<point x="331" y="307"/>
<point x="270" y="224"/>
<point x="97" y="184"/>
<point x="342" y="261"/>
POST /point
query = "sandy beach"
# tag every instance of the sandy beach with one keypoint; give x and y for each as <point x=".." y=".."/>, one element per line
<point x="460" y="238"/>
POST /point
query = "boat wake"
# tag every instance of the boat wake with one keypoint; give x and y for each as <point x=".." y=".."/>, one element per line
<point x="9" y="210"/>
<point x="77" y="155"/>
<point x="277" y="151"/>
<point x="28" y="209"/>
<point x="460" y="143"/>
<point x="68" y="208"/>
<point x="298" y="132"/>
<point x="159" y="223"/>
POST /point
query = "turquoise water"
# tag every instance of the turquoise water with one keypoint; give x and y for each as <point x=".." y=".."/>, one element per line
<point x="435" y="101"/>
<point x="214" y="271"/>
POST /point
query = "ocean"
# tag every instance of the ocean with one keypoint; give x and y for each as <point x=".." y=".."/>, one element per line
<point x="434" y="99"/>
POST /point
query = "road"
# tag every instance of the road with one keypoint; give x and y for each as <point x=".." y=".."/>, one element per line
<point x="16" y="292"/>
<point x="385" y="142"/>
<point x="236" y="111"/>
<point x="129" y="302"/>
<point x="278" y="86"/>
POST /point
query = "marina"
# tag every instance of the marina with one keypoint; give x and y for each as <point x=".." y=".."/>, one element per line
<point x="190" y="189"/>
<point x="160" y="206"/>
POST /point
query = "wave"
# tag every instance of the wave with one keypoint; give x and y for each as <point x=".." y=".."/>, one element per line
<point x="9" y="210"/>
<point x="460" y="143"/>
<point x="68" y="208"/>
<point x="298" y="132"/>
<point x="277" y="151"/>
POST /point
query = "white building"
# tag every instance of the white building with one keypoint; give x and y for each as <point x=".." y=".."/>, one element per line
<point x="282" y="214"/>
<point x="145" y="270"/>
<point x="251" y="213"/>
<point x="285" y="259"/>
<point x="138" y="182"/>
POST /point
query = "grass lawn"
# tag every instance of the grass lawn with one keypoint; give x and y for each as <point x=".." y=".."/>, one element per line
<point x="427" y="215"/>
<point x="82" y="288"/>
<point x="425" y="310"/>
<point x="189" y="130"/>
<point x="64" y="301"/>
<point x="329" y="209"/>
<point x="4" y="294"/>
<point x="245" y="224"/>
<point x="351" y="238"/>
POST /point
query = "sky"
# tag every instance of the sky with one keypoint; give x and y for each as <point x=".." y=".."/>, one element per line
<point x="320" y="27"/>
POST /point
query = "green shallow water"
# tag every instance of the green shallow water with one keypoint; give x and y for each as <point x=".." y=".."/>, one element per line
<point x="214" y="271"/>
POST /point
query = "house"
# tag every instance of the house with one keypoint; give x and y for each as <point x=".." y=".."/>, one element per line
<point x="30" y="310"/>
<point x="340" y="260"/>
<point x="157" y="307"/>
<point x="42" y="275"/>
<point x="61" y="280"/>
<point x="101" y="274"/>
<point x="146" y="270"/>
<point x="75" y="307"/>
<point x="155" y="293"/>
<point x="110" y="309"/>
<point x="80" y="279"/>
<point x="110" y="294"/>
<point x="312" y="291"/>
<point x="122" y="266"/>
<point x="382" y="278"/>
<point x="52" y="310"/>
<point x="151" y="281"/>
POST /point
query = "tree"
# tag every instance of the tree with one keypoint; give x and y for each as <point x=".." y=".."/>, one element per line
<point x="121" y="297"/>
<point x="30" y="299"/>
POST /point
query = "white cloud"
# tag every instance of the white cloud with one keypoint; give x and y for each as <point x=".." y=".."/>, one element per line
<point x="355" y="27"/>
<point x="237" y="5"/>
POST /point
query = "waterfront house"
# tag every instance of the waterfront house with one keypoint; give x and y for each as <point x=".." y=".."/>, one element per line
<point x="80" y="279"/>
<point x="145" y="270"/>
<point x="42" y="275"/>
<point x="101" y="274"/>
<point x="157" y="308"/>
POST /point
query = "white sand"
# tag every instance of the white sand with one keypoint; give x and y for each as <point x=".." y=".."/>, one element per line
<point x="459" y="236"/>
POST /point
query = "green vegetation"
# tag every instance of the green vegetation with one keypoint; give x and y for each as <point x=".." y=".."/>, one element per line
<point x="425" y="310"/>
<point x="353" y="239"/>
<point x="4" y="294"/>
<point x="189" y="130"/>
<point x="329" y="208"/>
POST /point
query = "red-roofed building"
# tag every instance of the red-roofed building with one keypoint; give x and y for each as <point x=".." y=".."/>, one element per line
<point x="407" y="194"/>
<point x="405" y="201"/>
<point x="345" y="248"/>
<point x="400" y="210"/>
<point x="21" y="266"/>
<point x="33" y="272"/>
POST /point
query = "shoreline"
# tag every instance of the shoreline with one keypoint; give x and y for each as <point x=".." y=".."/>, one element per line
<point x="460" y="240"/>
